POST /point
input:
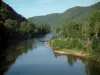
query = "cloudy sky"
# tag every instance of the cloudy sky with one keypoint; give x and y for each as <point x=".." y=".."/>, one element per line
<point x="30" y="8"/>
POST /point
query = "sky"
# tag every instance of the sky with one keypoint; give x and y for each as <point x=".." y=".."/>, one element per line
<point x="30" y="8"/>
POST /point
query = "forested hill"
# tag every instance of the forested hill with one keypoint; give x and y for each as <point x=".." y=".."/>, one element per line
<point x="9" y="22"/>
<point x="7" y="12"/>
<point x="14" y="27"/>
<point x="74" y="14"/>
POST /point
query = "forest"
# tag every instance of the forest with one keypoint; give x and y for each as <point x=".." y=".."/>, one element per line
<point x="14" y="27"/>
<point x="78" y="28"/>
<point x="80" y="36"/>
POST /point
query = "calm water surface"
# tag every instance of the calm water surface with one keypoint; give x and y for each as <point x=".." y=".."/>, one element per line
<point x="33" y="57"/>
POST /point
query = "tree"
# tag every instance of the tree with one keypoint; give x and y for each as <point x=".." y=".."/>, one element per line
<point x="25" y="27"/>
<point x="95" y="24"/>
<point x="9" y="23"/>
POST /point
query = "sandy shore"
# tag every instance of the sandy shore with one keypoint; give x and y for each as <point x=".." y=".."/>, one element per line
<point x="74" y="53"/>
<point x="69" y="52"/>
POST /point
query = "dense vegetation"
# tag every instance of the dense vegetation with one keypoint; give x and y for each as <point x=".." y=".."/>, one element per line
<point x="80" y="36"/>
<point x="14" y="27"/>
<point x="73" y="14"/>
<point x="78" y="28"/>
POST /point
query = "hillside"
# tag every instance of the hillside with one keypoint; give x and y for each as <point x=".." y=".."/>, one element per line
<point x="76" y="14"/>
<point x="14" y="27"/>
<point x="7" y="12"/>
<point x="9" y="17"/>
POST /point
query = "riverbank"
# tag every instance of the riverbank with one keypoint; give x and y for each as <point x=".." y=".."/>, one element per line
<point x="73" y="53"/>
<point x="76" y="53"/>
<point x="69" y="52"/>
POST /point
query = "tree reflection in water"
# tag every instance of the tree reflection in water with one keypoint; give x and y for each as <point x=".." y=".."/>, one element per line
<point x="71" y="60"/>
<point x="9" y="56"/>
<point x="91" y="67"/>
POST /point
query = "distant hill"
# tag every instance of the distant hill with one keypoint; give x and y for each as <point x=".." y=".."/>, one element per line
<point x="73" y="14"/>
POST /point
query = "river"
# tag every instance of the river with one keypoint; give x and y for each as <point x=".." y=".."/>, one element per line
<point x="34" y="57"/>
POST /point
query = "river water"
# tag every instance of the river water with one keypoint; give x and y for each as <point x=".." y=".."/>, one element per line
<point x="34" y="57"/>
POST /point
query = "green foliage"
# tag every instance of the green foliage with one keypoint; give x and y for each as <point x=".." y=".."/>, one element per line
<point x="67" y="43"/>
<point x="95" y="45"/>
<point x="94" y="26"/>
<point x="25" y="27"/>
<point x="80" y="36"/>
<point x="95" y="17"/>
<point x="44" y="28"/>
<point x="58" y="30"/>
<point x="14" y="27"/>
<point x="1" y="22"/>
<point x="72" y="29"/>
<point x="9" y="23"/>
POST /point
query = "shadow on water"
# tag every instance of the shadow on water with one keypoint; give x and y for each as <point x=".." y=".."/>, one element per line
<point x="91" y="67"/>
<point x="9" y="56"/>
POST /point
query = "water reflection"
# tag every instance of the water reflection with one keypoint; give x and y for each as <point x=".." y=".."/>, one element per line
<point x="71" y="60"/>
<point x="9" y="56"/>
<point x="91" y="67"/>
<point x="43" y="61"/>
